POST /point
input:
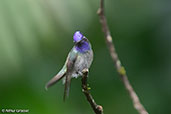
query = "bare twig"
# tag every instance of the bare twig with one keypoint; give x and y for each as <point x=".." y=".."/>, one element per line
<point x="120" y="69"/>
<point x="97" y="108"/>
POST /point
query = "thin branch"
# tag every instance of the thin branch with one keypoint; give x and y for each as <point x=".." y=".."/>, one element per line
<point x="96" y="108"/>
<point x="120" y="69"/>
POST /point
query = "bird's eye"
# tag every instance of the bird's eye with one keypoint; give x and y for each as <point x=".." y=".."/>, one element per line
<point x="85" y="39"/>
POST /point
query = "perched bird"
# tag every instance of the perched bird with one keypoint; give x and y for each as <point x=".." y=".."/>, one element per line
<point x="80" y="57"/>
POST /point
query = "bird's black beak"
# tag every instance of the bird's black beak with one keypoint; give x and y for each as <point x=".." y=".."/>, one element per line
<point x="83" y="39"/>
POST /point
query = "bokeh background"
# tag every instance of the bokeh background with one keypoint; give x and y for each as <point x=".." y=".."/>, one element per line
<point x="36" y="36"/>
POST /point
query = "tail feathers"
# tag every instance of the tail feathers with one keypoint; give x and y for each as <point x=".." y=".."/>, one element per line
<point x="54" y="80"/>
<point x="67" y="86"/>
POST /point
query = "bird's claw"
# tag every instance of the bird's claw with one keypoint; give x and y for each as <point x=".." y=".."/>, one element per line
<point x="85" y="71"/>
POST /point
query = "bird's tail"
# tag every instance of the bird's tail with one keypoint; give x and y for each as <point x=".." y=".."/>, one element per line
<point x="55" y="79"/>
<point x="67" y="86"/>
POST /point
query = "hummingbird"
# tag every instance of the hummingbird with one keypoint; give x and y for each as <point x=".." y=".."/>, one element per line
<point x="79" y="58"/>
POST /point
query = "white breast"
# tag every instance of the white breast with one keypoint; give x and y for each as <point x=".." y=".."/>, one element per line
<point x="83" y="61"/>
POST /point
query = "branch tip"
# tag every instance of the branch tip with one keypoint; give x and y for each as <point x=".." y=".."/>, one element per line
<point x="85" y="89"/>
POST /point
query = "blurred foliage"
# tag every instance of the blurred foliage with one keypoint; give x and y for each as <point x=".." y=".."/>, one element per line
<point x="36" y="36"/>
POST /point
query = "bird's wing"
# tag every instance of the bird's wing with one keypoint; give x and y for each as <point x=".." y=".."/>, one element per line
<point x="57" y="77"/>
<point x="69" y="64"/>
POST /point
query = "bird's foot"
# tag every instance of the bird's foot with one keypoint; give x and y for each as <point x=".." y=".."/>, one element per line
<point x="85" y="71"/>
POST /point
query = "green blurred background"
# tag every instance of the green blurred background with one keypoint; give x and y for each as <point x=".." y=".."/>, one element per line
<point x="36" y="36"/>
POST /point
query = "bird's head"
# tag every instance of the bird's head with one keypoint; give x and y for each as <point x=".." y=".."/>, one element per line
<point x="81" y="42"/>
<point x="78" y="37"/>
